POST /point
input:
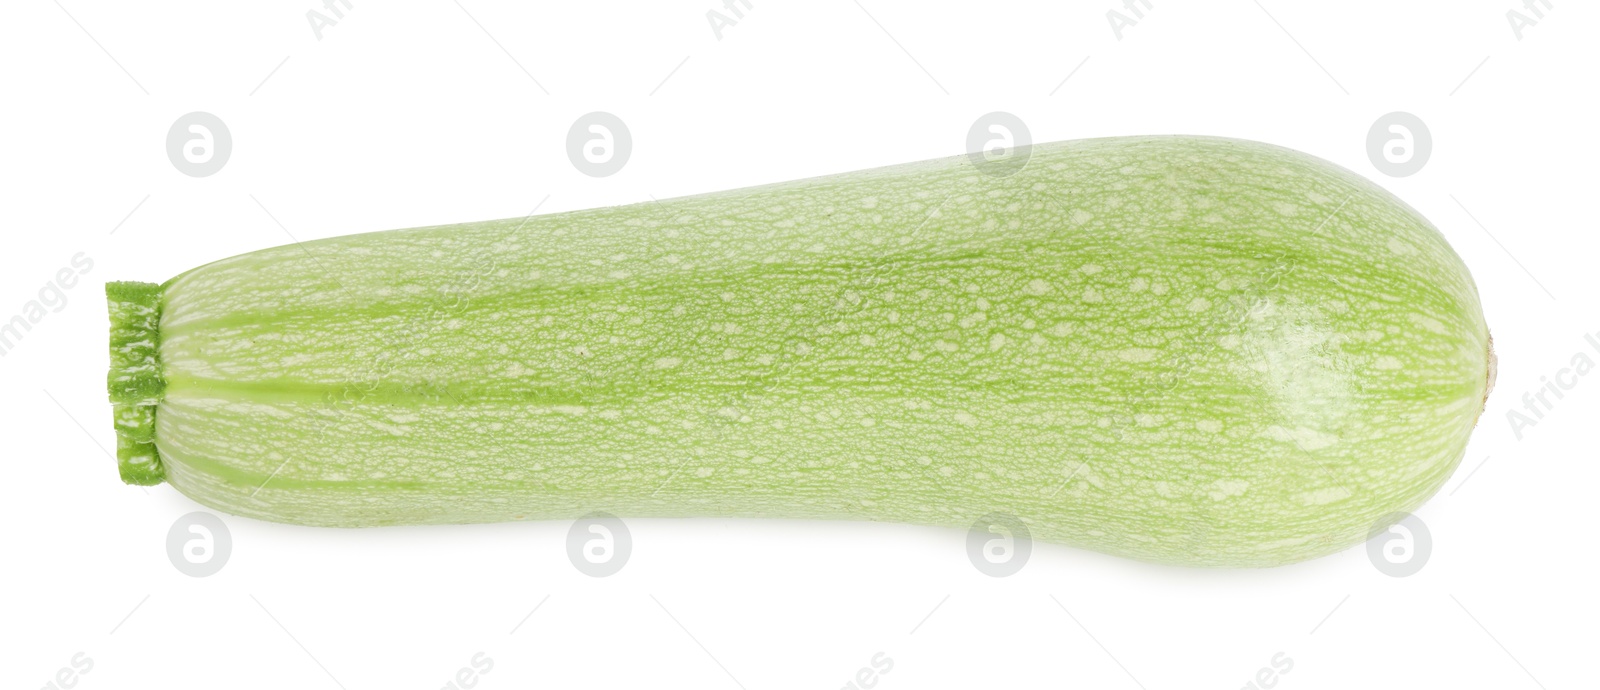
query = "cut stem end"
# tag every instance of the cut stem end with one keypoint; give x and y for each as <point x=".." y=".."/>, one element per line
<point x="134" y="381"/>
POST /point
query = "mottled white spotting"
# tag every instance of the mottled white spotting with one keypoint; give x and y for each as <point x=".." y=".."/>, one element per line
<point x="1401" y="248"/>
<point x="1285" y="208"/>
<point x="924" y="460"/>
<point x="868" y="341"/>
<point x="705" y="472"/>
<point x="1317" y="198"/>
<point x="1079" y="216"/>
<point x="1323" y="496"/>
<point x="390" y="429"/>
<point x="1223" y="488"/>
<point x="1139" y="285"/>
<point x="868" y="421"/>
<point x="1158" y="288"/>
<point x="1092" y="295"/>
<point x="1388" y="363"/>
<point x="668" y="362"/>
<point x="1091" y="269"/>
<point x="996" y="342"/>
<point x="1164" y="489"/>
<point x="966" y="419"/>
<point x="1084" y="471"/>
<point x="983" y="304"/>
<point x="1199" y="304"/>
<point x="1145" y="419"/>
<point x="945" y="346"/>
<point x="1308" y="439"/>
<point x="1062" y="329"/>
<point x="1136" y="354"/>
<point x="915" y="356"/>
<point x="869" y="202"/>
<point x="1228" y="342"/>
<point x="1210" y="426"/>
<point x="1430" y="323"/>
<point x="1037" y="286"/>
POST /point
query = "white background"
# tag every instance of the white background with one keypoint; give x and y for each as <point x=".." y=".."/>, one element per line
<point x="410" y="113"/>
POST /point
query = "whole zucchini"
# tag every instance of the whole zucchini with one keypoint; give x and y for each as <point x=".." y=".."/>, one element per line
<point x="1188" y="350"/>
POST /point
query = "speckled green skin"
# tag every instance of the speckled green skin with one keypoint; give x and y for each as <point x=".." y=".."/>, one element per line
<point x="1188" y="350"/>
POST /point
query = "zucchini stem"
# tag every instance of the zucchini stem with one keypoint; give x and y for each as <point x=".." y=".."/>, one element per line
<point x="135" y="381"/>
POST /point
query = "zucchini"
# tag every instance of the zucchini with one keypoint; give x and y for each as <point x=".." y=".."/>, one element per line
<point x="1180" y="349"/>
